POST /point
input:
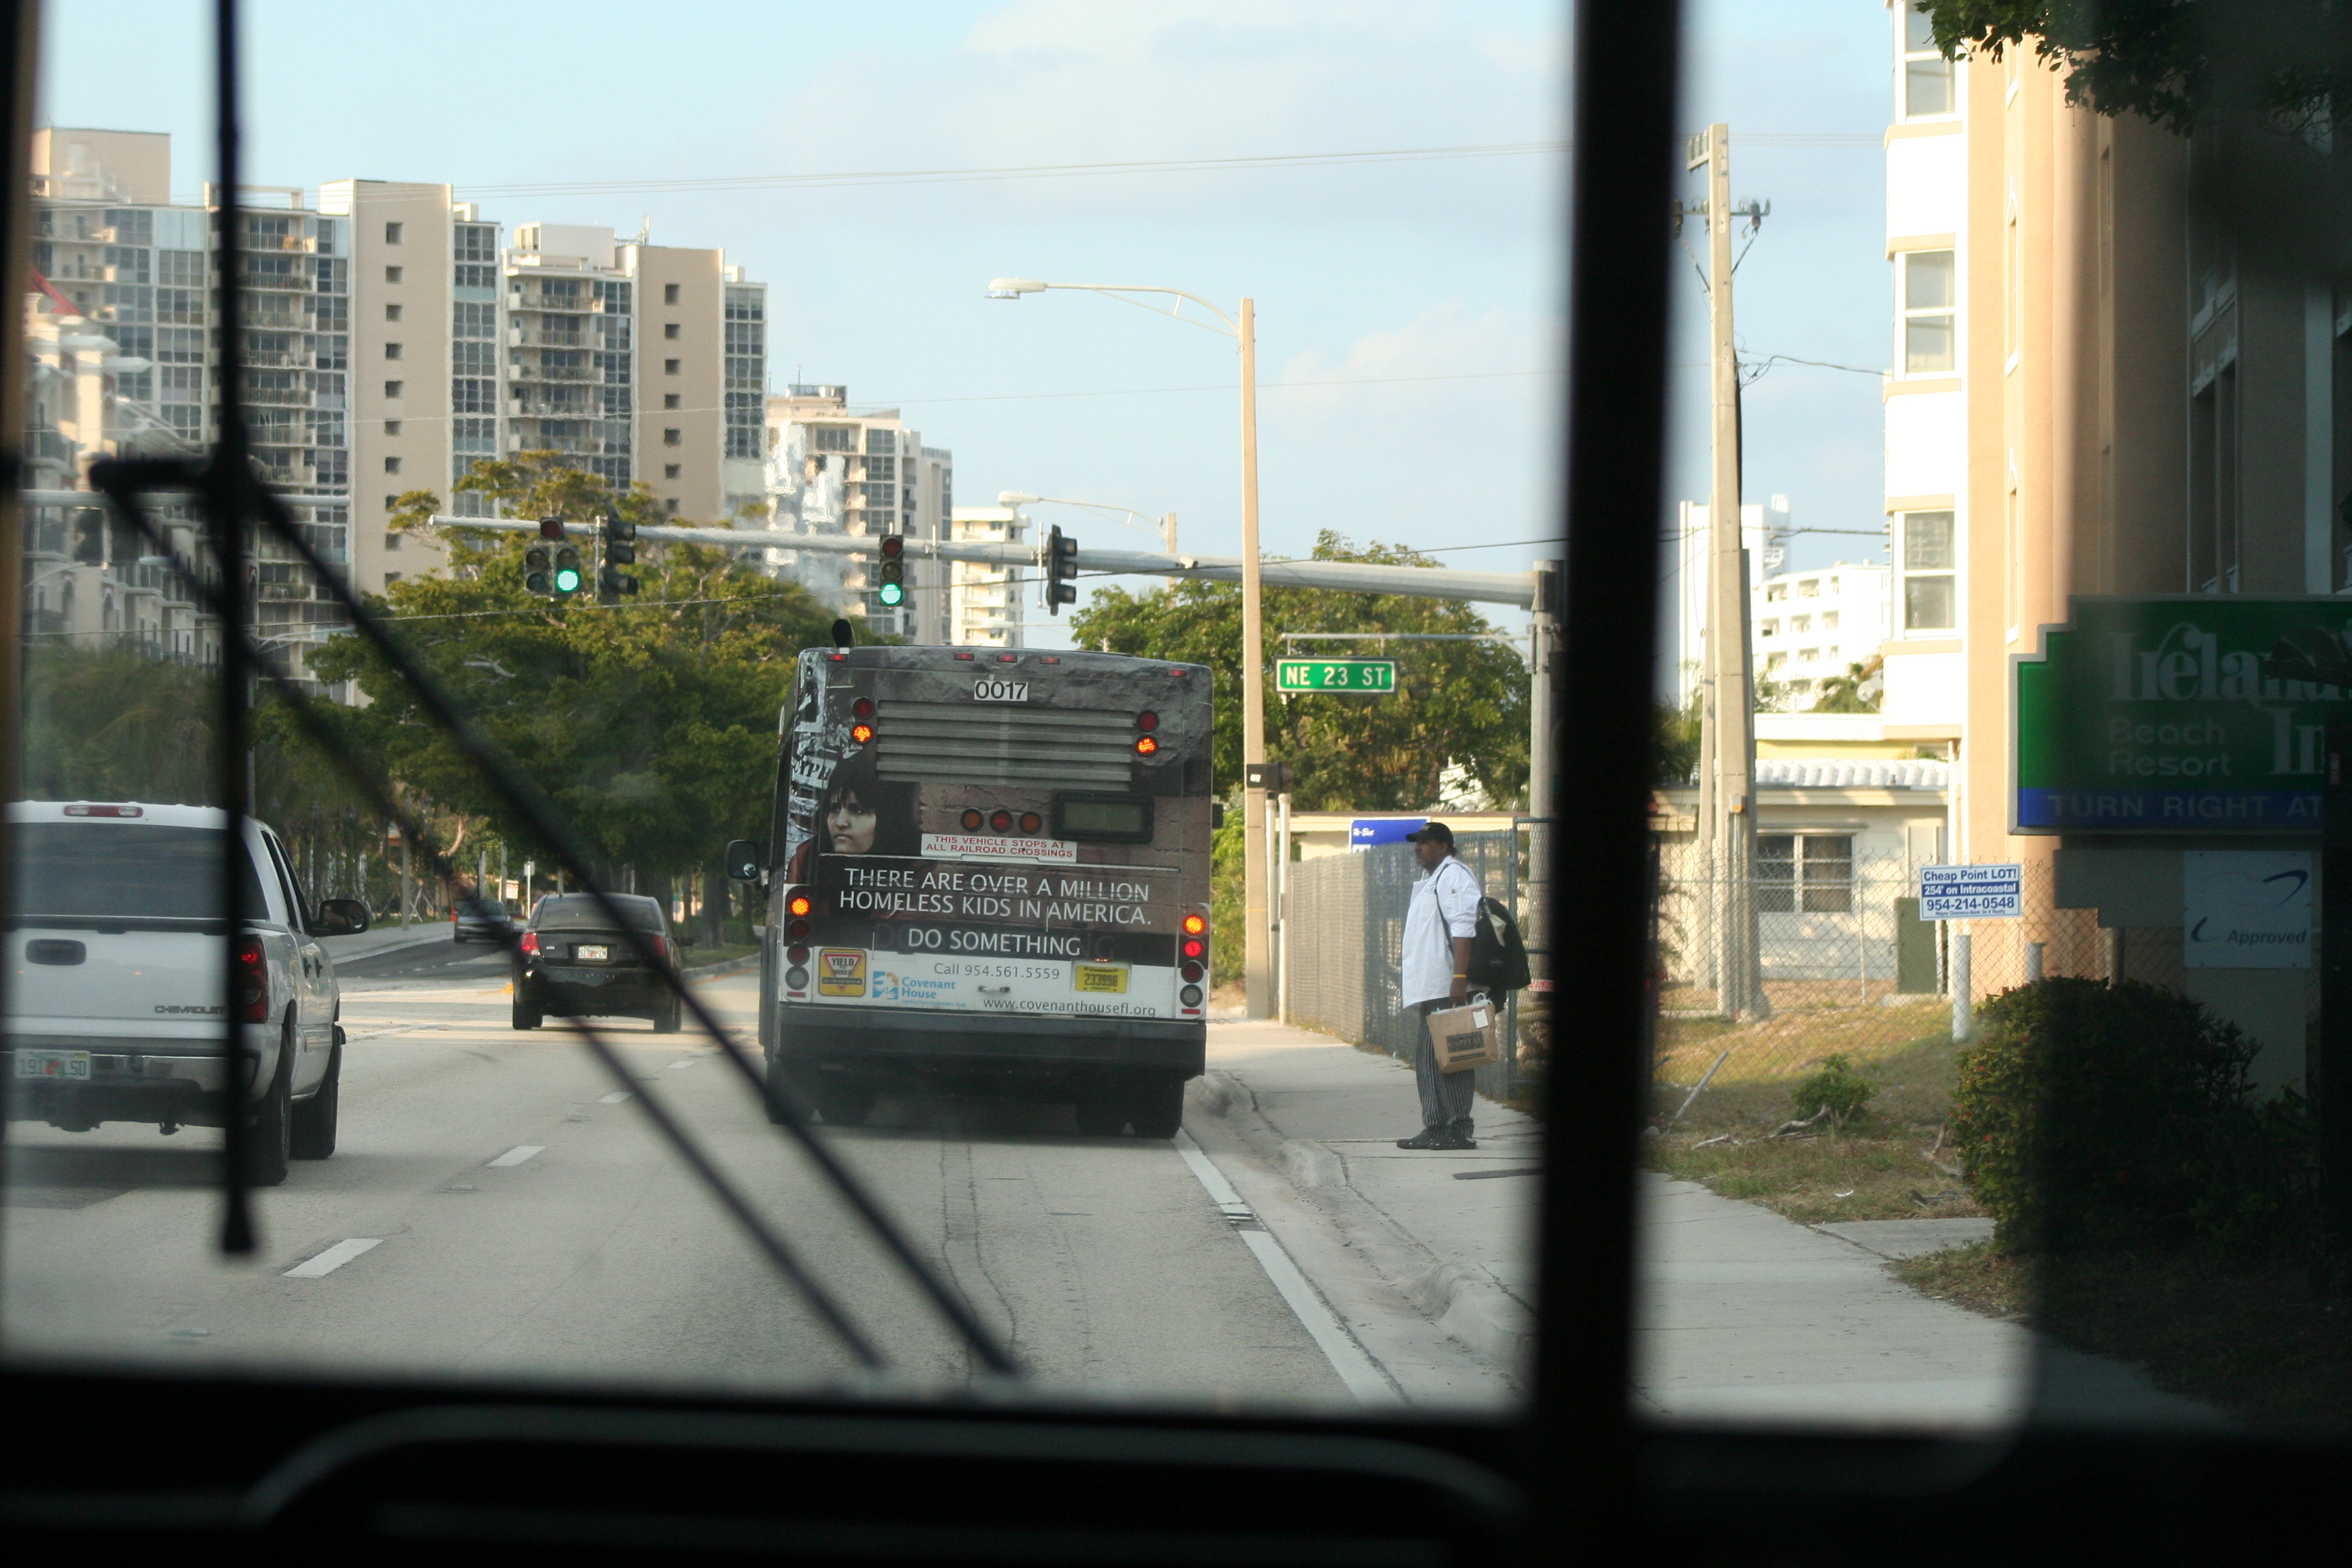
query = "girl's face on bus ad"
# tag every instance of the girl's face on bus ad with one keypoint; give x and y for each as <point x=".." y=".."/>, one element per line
<point x="849" y="824"/>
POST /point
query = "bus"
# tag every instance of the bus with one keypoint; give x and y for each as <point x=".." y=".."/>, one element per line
<point x="988" y="871"/>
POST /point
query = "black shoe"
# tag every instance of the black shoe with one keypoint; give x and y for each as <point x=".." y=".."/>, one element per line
<point x="1459" y="1141"/>
<point x="1429" y="1138"/>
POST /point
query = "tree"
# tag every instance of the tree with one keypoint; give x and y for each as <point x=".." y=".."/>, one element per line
<point x="1843" y="693"/>
<point x="2173" y="62"/>
<point x="650" y="724"/>
<point x="1454" y="702"/>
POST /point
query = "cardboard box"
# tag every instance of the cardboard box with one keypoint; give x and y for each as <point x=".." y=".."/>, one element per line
<point x="1467" y="1037"/>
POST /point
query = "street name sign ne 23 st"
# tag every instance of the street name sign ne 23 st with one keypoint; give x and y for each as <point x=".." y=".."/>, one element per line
<point x="2160" y="715"/>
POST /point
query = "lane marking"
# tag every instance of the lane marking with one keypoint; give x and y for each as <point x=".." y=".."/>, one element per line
<point x="679" y="1066"/>
<point x="334" y="1258"/>
<point x="1356" y="1369"/>
<point x="615" y="1097"/>
<point x="517" y="1155"/>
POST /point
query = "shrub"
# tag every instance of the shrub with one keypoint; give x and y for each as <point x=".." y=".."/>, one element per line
<point x="2099" y="1116"/>
<point x="1836" y="1088"/>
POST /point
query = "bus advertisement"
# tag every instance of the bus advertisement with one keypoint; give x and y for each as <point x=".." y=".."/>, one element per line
<point x="989" y="871"/>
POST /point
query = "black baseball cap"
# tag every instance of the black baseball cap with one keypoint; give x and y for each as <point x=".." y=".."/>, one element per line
<point x="1437" y="831"/>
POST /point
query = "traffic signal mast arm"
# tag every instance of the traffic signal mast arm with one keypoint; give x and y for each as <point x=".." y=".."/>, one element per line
<point x="1417" y="581"/>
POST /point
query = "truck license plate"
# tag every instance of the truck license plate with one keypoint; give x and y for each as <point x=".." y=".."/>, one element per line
<point x="1102" y="977"/>
<point x="52" y="1064"/>
<point x="592" y="953"/>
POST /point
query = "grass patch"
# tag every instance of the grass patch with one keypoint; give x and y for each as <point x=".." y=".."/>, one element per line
<point x="695" y="957"/>
<point x="1873" y="1171"/>
<point x="1975" y="1277"/>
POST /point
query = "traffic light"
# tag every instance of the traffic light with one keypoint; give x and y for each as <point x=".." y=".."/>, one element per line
<point x="620" y="538"/>
<point x="893" y="592"/>
<point x="1061" y="570"/>
<point x="539" y="561"/>
<point x="568" y="576"/>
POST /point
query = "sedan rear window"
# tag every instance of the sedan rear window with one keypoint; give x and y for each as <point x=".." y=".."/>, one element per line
<point x="580" y="911"/>
<point x="96" y="870"/>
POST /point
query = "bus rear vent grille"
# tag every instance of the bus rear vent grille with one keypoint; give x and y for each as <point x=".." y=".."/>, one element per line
<point x="923" y="741"/>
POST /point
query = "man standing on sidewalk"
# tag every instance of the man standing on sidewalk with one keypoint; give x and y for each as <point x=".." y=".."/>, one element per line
<point x="1439" y="921"/>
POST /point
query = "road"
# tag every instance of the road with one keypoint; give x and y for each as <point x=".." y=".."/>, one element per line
<point x="499" y="1207"/>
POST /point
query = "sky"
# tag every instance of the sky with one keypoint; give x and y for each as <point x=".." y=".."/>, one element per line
<point x="1408" y="309"/>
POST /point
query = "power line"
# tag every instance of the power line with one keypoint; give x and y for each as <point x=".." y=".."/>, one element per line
<point x="1211" y="386"/>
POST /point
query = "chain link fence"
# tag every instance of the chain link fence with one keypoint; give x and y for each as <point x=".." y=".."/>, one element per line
<point x="1847" y="968"/>
<point x="1345" y="931"/>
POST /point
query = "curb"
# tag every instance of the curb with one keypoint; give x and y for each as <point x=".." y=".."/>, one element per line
<point x="1218" y="1094"/>
<point x="1310" y="1164"/>
<point x="1469" y="1305"/>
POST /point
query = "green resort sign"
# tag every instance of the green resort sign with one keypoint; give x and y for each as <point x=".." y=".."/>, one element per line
<point x="2161" y="715"/>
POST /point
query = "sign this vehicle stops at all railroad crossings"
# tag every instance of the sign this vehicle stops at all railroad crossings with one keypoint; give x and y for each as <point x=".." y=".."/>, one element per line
<point x="1372" y="675"/>
<point x="1972" y="893"/>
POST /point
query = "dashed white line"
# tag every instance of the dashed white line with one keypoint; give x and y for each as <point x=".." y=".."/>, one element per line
<point x="1356" y="1369"/>
<point x="518" y="1154"/>
<point x="334" y="1258"/>
<point x="689" y="1061"/>
<point x="615" y="1097"/>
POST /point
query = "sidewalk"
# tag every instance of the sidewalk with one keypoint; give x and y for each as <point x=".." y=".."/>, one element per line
<point x="1430" y="1259"/>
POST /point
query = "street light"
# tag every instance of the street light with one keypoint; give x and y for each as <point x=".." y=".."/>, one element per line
<point x="1132" y="516"/>
<point x="1257" y="945"/>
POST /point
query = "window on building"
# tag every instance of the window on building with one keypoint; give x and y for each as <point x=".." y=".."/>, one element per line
<point x="836" y="438"/>
<point x="392" y="312"/>
<point x="392" y="274"/>
<point x="392" y="465"/>
<point x="670" y="506"/>
<point x="669" y="329"/>
<point x="392" y="233"/>
<point x="1804" y="873"/>
<point x="1768" y="629"/>
<point x="1809" y="656"/>
<point x="669" y="367"/>
<point x="1930" y="298"/>
<point x="392" y="503"/>
<point x="671" y="400"/>
<point x="881" y="440"/>
<point x="1776" y="593"/>
<point x="1927" y="600"/>
<point x="1829" y="621"/>
<point x="670" y="470"/>
<point x="392" y="426"/>
<point x="1928" y="88"/>
<point x="1811" y="588"/>
<point x="392" y="350"/>
<point x="1801" y="623"/>
<point x="392" y="388"/>
<point x="670" y="293"/>
<point x="390" y="539"/>
<point x="1774" y="662"/>
<point x="2213" y="454"/>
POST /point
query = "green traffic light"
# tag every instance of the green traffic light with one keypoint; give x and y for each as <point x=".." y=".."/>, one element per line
<point x="567" y="581"/>
<point x="893" y="592"/>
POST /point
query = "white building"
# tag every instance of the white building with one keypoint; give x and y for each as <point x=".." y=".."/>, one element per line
<point x="1763" y="533"/>
<point x="1926" y="428"/>
<point x="984" y="606"/>
<point x="833" y="472"/>
<point x="1808" y="627"/>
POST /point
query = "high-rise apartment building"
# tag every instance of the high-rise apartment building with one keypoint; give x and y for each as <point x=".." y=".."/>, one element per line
<point x="985" y="607"/>
<point x="125" y="280"/>
<point x="830" y="471"/>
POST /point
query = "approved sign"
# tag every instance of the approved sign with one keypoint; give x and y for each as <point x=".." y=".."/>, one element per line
<point x="1972" y="893"/>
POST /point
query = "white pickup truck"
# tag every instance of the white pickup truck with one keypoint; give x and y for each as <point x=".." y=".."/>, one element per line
<point x="114" y="940"/>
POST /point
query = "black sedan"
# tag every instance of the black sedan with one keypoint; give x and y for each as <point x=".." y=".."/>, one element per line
<point x="576" y="963"/>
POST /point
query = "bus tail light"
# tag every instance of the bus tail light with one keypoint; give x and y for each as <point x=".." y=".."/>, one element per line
<point x="860" y="733"/>
<point x="799" y="904"/>
<point x="1193" y="962"/>
<point x="1031" y="822"/>
<point x="797" y="930"/>
<point x="252" y="981"/>
<point x="797" y="955"/>
<point x="972" y="819"/>
<point x="796" y="979"/>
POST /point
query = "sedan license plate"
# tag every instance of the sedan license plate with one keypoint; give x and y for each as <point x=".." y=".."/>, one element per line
<point x="1109" y="978"/>
<point x="52" y="1064"/>
<point x="592" y="953"/>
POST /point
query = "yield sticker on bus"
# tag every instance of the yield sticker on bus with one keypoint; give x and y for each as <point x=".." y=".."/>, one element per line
<point x="841" y="971"/>
<point x="1109" y="978"/>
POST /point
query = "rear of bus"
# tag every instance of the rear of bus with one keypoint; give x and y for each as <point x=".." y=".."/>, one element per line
<point x="989" y="872"/>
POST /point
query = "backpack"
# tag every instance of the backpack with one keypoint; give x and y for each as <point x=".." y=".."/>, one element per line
<point x="1499" y="958"/>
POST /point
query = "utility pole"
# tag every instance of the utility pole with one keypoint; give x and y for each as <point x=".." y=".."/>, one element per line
<point x="1257" y="949"/>
<point x="1728" y="735"/>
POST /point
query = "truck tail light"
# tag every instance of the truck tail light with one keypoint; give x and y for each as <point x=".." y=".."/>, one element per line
<point x="252" y="981"/>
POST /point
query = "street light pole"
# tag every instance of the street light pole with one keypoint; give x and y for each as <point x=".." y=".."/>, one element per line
<point x="1257" y="947"/>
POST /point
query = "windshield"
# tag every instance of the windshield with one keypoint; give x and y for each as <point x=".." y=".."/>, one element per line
<point x="1013" y="708"/>
<point x="110" y="872"/>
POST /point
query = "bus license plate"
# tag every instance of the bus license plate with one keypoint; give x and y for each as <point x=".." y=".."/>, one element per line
<point x="1109" y="978"/>
<point x="52" y="1064"/>
<point x="989" y="690"/>
<point x="592" y="953"/>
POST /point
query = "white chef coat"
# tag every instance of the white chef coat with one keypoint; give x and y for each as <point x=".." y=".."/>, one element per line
<point x="1444" y="905"/>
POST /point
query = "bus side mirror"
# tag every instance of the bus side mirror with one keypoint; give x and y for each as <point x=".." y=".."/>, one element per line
<point x="742" y="861"/>
<point x="1216" y="814"/>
